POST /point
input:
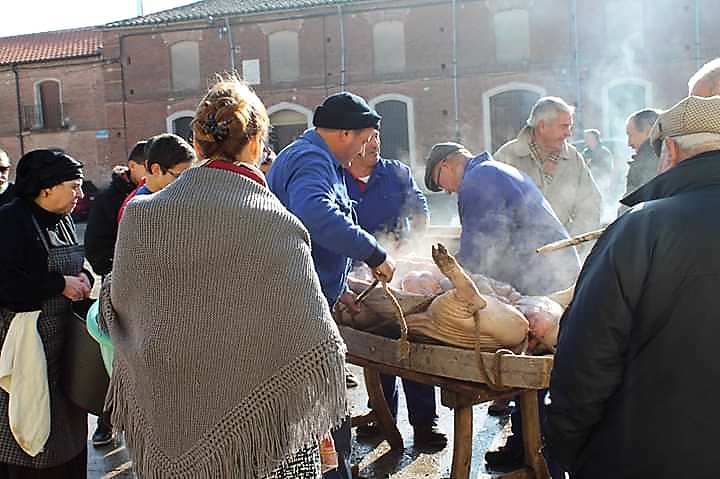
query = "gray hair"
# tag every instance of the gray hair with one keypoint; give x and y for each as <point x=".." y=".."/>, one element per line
<point x="688" y="143"/>
<point x="4" y="155"/>
<point x="643" y="119"/>
<point x="708" y="72"/>
<point x="547" y="108"/>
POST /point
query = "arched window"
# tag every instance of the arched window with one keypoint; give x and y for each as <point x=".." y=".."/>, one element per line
<point x="389" y="47"/>
<point x="505" y="111"/>
<point x="397" y="136"/>
<point x="512" y="36"/>
<point x="284" y="56"/>
<point x="47" y="112"/>
<point x="286" y="126"/>
<point x="185" y="66"/>
<point x="622" y="98"/>
<point x="179" y="123"/>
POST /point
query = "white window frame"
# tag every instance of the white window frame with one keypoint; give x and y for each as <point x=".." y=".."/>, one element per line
<point x="38" y="101"/>
<point x="292" y="107"/>
<point x="178" y="114"/>
<point x="487" y="96"/>
<point x="410" y="105"/>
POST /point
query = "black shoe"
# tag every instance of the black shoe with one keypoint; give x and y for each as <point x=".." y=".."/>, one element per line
<point x="499" y="408"/>
<point x="103" y="435"/>
<point x="507" y="457"/>
<point x="429" y="437"/>
<point x="350" y="380"/>
<point x="367" y="430"/>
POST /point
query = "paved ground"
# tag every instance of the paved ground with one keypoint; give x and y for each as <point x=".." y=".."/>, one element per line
<point x="376" y="459"/>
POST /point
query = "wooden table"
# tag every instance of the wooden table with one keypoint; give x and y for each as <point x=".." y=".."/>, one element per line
<point x="463" y="382"/>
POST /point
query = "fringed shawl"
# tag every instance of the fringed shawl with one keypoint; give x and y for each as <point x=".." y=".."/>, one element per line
<point x="226" y="356"/>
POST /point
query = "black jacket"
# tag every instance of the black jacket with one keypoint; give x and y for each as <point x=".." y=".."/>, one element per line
<point x="25" y="281"/>
<point x="635" y="384"/>
<point x="102" y="225"/>
<point x="643" y="168"/>
<point x="8" y="195"/>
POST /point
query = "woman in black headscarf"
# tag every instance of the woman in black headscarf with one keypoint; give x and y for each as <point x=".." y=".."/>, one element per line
<point x="41" y="269"/>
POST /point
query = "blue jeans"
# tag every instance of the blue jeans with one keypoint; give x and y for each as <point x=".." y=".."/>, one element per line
<point x="516" y="440"/>
<point x="420" y="399"/>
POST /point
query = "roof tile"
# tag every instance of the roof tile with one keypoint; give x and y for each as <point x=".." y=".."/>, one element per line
<point x="58" y="45"/>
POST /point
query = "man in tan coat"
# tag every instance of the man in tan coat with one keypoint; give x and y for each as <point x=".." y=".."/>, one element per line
<point x="541" y="150"/>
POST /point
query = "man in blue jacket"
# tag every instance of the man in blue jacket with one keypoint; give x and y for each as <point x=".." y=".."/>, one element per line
<point x="307" y="177"/>
<point x="504" y="218"/>
<point x="390" y="205"/>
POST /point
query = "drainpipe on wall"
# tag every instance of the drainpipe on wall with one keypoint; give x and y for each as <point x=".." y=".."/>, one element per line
<point x="342" y="48"/>
<point x="231" y="44"/>
<point x="698" y="58"/>
<point x="456" y="96"/>
<point x="576" y="55"/>
<point x="19" y="109"/>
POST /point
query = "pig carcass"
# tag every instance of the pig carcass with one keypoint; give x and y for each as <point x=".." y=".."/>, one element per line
<point x="443" y="303"/>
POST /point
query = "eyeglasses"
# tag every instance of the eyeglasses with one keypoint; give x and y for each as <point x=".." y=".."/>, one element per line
<point x="440" y="167"/>
<point x="173" y="174"/>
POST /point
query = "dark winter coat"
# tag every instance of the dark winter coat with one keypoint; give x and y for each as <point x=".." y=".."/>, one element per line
<point x="643" y="167"/>
<point x="102" y="225"/>
<point x="635" y="381"/>
<point x="8" y="195"/>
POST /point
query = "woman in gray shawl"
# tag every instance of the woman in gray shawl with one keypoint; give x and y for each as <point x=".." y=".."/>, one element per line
<point x="227" y="361"/>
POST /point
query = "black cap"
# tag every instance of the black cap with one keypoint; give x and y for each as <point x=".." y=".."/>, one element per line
<point x="345" y="111"/>
<point x="40" y="169"/>
<point x="438" y="152"/>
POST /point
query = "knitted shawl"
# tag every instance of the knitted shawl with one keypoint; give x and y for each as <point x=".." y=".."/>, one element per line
<point x="227" y="359"/>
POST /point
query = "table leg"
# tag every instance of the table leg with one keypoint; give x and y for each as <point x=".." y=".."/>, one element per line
<point x="381" y="409"/>
<point x="462" y="441"/>
<point x="531" y="434"/>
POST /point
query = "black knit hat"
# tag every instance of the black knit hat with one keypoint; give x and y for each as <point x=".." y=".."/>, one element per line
<point x="40" y="169"/>
<point x="345" y="111"/>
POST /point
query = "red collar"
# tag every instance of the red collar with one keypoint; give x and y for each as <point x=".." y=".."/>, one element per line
<point x="240" y="169"/>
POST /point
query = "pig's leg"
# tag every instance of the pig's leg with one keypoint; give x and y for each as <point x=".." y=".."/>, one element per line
<point x="464" y="286"/>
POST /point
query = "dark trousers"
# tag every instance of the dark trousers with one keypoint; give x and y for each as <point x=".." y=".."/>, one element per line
<point x="516" y="440"/>
<point x="343" y="445"/>
<point x="75" y="468"/>
<point x="420" y="399"/>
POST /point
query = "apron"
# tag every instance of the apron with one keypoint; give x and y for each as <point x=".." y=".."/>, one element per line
<point x="68" y="423"/>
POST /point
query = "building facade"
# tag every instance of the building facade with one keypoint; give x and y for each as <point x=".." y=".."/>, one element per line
<point x="465" y="70"/>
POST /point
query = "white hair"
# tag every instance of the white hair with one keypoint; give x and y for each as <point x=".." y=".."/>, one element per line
<point x="693" y="141"/>
<point x="547" y="108"/>
<point x="708" y="72"/>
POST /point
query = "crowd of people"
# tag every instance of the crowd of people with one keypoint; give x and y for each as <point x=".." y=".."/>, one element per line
<point x="221" y="264"/>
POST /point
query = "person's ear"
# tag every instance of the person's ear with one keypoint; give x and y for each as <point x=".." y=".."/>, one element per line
<point x="674" y="151"/>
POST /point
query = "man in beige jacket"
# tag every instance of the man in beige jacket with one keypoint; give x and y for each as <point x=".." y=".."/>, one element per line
<point x="541" y="150"/>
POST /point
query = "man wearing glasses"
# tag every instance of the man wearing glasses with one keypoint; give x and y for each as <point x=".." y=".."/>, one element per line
<point x="504" y="218"/>
<point x="7" y="189"/>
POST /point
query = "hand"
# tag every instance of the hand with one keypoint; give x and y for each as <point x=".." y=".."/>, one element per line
<point x="347" y="301"/>
<point x="75" y="288"/>
<point x="84" y="278"/>
<point x="385" y="271"/>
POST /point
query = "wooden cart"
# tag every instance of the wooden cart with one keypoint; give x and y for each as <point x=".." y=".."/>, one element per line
<point x="465" y="378"/>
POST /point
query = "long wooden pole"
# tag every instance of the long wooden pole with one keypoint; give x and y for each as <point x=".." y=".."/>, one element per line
<point x="575" y="240"/>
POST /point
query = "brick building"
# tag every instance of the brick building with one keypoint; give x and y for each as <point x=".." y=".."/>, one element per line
<point x="436" y="69"/>
<point x="53" y="96"/>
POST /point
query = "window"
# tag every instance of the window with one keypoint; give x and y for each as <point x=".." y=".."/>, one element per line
<point x="185" y="66"/>
<point x="512" y="36"/>
<point x="251" y="71"/>
<point x="509" y="111"/>
<point x="389" y="47"/>
<point x="284" y="56"/>
<point x="47" y="112"/>
<point x="624" y="23"/>
<point x="623" y="99"/>
<point x="287" y="124"/>
<point x="179" y="123"/>
<point x="394" y="130"/>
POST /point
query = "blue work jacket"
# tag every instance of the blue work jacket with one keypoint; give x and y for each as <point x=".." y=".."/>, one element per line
<point x="390" y="200"/>
<point x="309" y="181"/>
<point x="504" y="218"/>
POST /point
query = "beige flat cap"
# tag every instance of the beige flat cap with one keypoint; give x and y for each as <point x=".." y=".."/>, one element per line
<point x="692" y="115"/>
